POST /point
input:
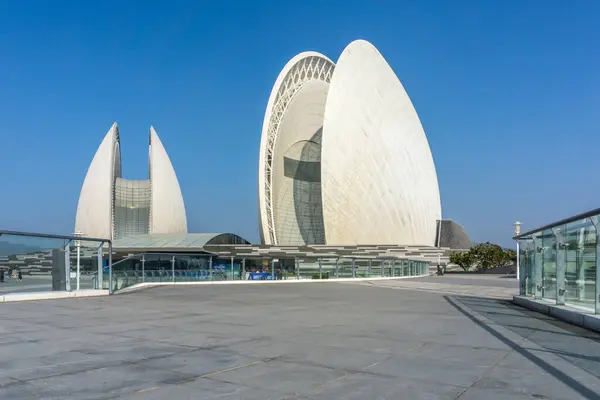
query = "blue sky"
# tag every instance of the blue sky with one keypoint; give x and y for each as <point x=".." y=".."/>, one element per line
<point x="508" y="93"/>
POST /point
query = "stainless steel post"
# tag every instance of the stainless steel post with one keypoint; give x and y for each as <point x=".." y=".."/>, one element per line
<point x="100" y="272"/>
<point x="596" y="222"/>
<point x="68" y="266"/>
<point x="538" y="254"/>
<point x="173" y="269"/>
<point x="78" y="243"/>
<point x="110" y="287"/>
<point x="561" y="261"/>
<point x="273" y="269"/>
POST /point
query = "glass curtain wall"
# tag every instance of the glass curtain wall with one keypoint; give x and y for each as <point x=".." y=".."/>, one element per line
<point x="174" y="268"/>
<point x="558" y="264"/>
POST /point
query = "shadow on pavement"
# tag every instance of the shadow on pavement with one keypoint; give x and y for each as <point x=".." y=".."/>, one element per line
<point x="581" y="349"/>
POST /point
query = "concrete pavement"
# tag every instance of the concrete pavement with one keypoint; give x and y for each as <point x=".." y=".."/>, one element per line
<point x="317" y="341"/>
<point x="492" y="286"/>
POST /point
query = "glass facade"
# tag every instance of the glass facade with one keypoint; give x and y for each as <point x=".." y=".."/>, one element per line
<point x="150" y="267"/>
<point x="132" y="207"/>
<point x="558" y="262"/>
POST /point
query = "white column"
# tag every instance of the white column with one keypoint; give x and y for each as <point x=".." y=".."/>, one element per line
<point x="68" y="266"/>
<point x="518" y="262"/>
<point x="173" y="269"/>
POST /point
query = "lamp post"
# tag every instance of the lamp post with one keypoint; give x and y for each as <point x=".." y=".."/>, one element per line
<point x="517" y="226"/>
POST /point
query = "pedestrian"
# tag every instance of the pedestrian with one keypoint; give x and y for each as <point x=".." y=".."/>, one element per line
<point x="20" y="275"/>
<point x="1" y="276"/>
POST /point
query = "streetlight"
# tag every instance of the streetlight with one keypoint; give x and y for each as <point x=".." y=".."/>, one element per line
<point x="517" y="226"/>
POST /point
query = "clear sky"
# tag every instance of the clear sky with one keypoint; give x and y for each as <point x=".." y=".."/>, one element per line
<point x="508" y="93"/>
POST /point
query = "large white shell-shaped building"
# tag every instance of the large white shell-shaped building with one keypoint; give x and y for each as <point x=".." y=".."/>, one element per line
<point x="344" y="159"/>
<point x="113" y="207"/>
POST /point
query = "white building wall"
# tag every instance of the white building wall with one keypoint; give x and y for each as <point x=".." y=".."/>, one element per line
<point x="302" y="121"/>
<point x="379" y="182"/>
<point x="167" y="210"/>
<point x="94" y="216"/>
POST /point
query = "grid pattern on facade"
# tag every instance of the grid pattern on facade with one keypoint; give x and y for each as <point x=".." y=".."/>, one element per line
<point x="132" y="207"/>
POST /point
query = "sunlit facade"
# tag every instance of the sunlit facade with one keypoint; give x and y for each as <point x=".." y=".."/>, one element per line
<point x="111" y="206"/>
<point x="344" y="159"/>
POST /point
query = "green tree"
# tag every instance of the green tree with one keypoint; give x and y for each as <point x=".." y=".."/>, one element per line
<point x="512" y="255"/>
<point x="463" y="259"/>
<point x="488" y="255"/>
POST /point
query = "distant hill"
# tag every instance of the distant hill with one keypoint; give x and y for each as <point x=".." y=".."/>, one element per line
<point x="7" y="248"/>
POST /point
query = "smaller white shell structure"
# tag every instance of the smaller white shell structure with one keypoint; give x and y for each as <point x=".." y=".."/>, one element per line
<point x="167" y="211"/>
<point x="344" y="159"/>
<point x="112" y="207"/>
<point x="95" y="207"/>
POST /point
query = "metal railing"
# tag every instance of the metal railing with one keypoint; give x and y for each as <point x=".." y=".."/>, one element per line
<point x="559" y="262"/>
<point x="40" y="262"/>
<point x="154" y="267"/>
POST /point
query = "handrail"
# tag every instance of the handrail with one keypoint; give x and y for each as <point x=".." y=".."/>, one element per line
<point x="52" y="236"/>
<point x="127" y="258"/>
<point x="574" y="218"/>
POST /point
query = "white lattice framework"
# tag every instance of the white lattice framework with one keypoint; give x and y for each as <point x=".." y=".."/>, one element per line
<point x="300" y="70"/>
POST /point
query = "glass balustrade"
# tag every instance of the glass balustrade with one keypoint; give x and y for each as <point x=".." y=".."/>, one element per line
<point x="558" y="263"/>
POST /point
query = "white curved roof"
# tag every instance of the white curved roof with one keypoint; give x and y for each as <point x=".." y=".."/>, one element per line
<point x="167" y="211"/>
<point x="378" y="177"/>
<point x="94" y="210"/>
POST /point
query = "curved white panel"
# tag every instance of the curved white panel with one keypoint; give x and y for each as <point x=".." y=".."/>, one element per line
<point x="167" y="210"/>
<point x="303" y="68"/>
<point x="94" y="210"/>
<point x="379" y="184"/>
<point x="302" y="121"/>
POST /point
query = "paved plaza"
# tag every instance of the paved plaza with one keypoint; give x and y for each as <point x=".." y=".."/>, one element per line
<point x="40" y="283"/>
<point x="384" y="340"/>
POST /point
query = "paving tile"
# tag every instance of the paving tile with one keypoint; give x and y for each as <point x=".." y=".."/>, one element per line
<point x="103" y="383"/>
<point x="279" y="376"/>
<point x="200" y="362"/>
<point x="205" y="389"/>
<point x="360" y="387"/>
